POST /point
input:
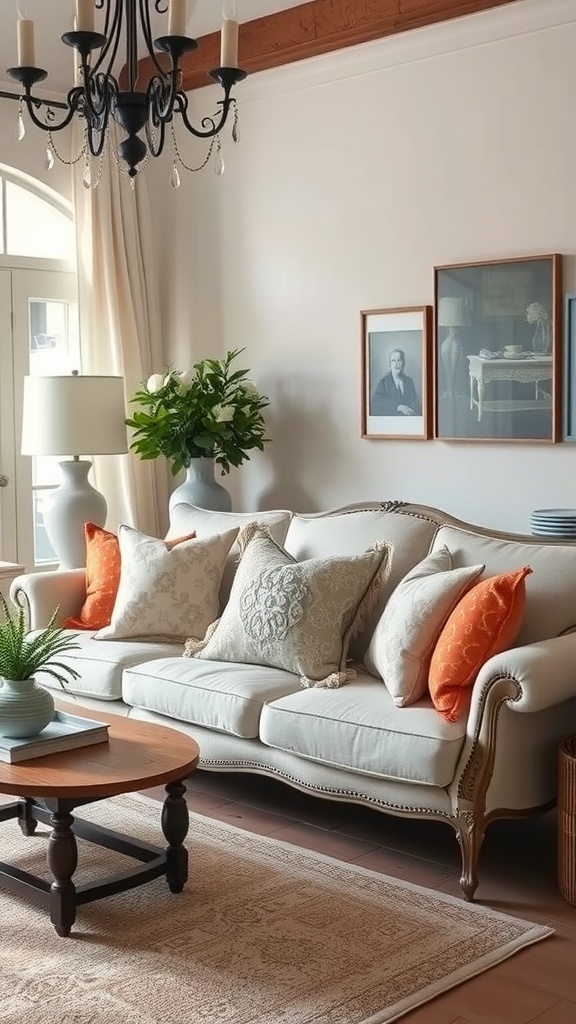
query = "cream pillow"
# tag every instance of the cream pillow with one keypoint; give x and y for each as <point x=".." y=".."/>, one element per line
<point x="299" y="616"/>
<point x="167" y="593"/>
<point x="405" y="636"/>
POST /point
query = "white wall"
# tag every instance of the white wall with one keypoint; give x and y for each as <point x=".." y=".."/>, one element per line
<point x="356" y="174"/>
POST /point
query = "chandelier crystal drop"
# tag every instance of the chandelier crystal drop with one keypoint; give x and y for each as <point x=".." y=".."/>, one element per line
<point x="142" y="105"/>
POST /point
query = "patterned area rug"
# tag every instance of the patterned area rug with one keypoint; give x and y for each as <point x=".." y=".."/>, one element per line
<point x="264" y="933"/>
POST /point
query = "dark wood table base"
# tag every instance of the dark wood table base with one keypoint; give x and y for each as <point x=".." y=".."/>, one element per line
<point x="62" y="897"/>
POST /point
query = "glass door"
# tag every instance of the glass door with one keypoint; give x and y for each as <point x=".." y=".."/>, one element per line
<point x="45" y="341"/>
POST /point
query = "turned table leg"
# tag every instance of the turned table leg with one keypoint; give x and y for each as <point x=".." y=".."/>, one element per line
<point x="175" y="821"/>
<point x="26" y="818"/>
<point x="62" y="862"/>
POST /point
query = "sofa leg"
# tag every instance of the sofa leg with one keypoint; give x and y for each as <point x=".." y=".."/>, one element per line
<point x="470" y="836"/>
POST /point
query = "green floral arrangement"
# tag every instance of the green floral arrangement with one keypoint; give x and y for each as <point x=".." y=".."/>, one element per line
<point x="211" y="411"/>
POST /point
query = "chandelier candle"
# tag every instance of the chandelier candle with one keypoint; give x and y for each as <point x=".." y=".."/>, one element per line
<point x="177" y="18"/>
<point x="229" y="34"/>
<point x="25" y="33"/>
<point x="84" y="21"/>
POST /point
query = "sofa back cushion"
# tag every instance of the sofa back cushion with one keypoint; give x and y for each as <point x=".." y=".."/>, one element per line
<point x="550" y="589"/>
<point x="353" y="532"/>
<point x="186" y="518"/>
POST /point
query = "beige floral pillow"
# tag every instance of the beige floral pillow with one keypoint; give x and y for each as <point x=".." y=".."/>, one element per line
<point x="404" y="638"/>
<point x="299" y="616"/>
<point x="167" y="593"/>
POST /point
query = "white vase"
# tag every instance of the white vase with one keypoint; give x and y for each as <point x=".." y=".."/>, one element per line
<point x="200" y="488"/>
<point x="25" y="707"/>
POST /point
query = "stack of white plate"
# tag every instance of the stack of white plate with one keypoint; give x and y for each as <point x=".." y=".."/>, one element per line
<point x="554" y="522"/>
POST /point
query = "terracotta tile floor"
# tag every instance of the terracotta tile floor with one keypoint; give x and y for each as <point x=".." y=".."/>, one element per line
<point x="517" y="876"/>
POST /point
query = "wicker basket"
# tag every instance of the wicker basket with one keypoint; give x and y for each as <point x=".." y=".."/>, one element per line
<point x="567" y="819"/>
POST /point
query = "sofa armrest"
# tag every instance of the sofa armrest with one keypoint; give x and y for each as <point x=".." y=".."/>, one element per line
<point x="40" y="593"/>
<point x="545" y="673"/>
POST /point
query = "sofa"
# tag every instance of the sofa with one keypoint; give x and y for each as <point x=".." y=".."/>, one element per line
<point x="345" y="737"/>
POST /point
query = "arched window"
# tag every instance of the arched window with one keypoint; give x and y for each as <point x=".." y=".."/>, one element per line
<point x="36" y="222"/>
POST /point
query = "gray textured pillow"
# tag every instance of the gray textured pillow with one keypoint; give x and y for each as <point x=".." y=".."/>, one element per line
<point x="299" y="616"/>
<point x="406" y="633"/>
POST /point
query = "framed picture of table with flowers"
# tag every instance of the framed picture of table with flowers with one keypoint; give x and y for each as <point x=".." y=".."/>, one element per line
<point x="498" y="350"/>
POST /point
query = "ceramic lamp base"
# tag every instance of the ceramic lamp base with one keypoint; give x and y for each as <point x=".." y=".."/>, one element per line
<point x="67" y="508"/>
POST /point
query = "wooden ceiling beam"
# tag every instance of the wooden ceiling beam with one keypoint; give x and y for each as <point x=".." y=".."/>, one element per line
<point x="320" y="26"/>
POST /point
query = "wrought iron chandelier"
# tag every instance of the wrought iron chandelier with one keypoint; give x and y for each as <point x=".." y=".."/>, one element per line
<point x="144" y="112"/>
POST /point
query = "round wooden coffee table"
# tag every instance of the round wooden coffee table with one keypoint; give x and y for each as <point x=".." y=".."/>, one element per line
<point x="137" y="755"/>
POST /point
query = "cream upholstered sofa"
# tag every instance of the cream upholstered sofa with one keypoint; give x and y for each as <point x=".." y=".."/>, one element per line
<point x="353" y="743"/>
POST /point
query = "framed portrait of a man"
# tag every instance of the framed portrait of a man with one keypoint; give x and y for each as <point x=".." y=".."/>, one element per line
<point x="396" y="398"/>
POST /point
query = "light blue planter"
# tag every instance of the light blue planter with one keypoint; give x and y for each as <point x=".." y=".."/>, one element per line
<point x="201" y="489"/>
<point x="25" y="707"/>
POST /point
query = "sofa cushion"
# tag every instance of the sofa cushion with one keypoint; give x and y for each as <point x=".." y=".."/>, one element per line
<point x="102" y="577"/>
<point x="358" y="727"/>
<point x="101" y="665"/>
<point x="167" y="592"/>
<point x="550" y="606"/>
<point x="184" y="518"/>
<point x="352" y="532"/>
<point x="405" y="636"/>
<point x="298" y="616"/>
<point x="485" y="622"/>
<point x="217" y="695"/>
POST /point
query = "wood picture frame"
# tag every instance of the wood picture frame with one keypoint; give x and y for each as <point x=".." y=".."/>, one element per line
<point x="570" y="368"/>
<point x="396" y="378"/>
<point x="498" y="350"/>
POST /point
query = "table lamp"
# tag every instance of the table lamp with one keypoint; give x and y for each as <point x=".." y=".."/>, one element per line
<point x="73" y="415"/>
<point x="453" y="313"/>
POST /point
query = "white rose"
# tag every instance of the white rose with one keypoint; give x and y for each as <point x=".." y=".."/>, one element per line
<point x="223" y="413"/>
<point x="154" y="383"/>
<point x="185" y="381"/>
<point x="249" y="387"/>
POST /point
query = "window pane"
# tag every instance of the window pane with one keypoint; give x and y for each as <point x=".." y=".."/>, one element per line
<point x="43" y="550"/>
<point x="53" y="349"/>
<point x="34" y="227"/>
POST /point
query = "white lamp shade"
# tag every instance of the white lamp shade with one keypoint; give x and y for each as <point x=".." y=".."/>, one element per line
<point x="74" y="415"/>
<point x="453" y="311"/>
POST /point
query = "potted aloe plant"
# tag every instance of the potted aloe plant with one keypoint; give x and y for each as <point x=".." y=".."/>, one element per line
<point x="25" y="706"/>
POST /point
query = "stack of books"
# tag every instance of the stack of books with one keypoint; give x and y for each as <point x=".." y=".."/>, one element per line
<point x="62" y="733"/>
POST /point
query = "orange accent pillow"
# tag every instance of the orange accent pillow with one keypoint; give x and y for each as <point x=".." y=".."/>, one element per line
<point x="486" y="621"/>
<point x="103" y="577"/>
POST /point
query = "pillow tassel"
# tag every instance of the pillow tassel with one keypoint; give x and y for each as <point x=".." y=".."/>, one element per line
<point x="193" y="645"/>
<point x="251" y="530"/>
<point x="332" y="681"/>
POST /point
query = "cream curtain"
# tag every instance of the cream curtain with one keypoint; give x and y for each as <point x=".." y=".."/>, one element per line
<point x="120" y="324"/>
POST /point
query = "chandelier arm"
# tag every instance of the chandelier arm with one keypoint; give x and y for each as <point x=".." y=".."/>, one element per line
<point x="161" y="7"/>
<point x="74" y="106"/>
<point x="161" y="96"/>
<point x="212" y="128"/>
<point x="155" y="138"/>
<point x="96" y="137"/>
<point x="103" y="88"/>
<point x="112" y="32"/>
